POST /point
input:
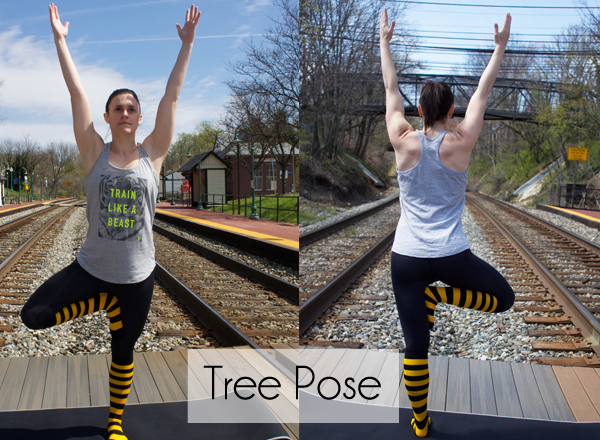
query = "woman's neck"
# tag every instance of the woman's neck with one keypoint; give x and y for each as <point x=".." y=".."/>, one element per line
<point x="433" y="130"/>
<point x="124" y="146"/>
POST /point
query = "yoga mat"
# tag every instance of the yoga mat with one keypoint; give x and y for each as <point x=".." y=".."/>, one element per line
<point x="451" y="426"/>
<point x="140" y="422"/>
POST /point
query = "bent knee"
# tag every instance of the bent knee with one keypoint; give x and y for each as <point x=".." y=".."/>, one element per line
<point x="506" y="301"/>
<point x="34" y="318"/>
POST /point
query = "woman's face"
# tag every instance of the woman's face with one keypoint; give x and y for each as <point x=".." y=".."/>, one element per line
<point x="123" y="114"/>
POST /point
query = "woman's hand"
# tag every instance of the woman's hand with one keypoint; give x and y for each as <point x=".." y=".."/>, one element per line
<point x="501" y="37"/>
<point x="189" y="28"/>
<point x="385" y="31"/>
<point x="59" y="30"/>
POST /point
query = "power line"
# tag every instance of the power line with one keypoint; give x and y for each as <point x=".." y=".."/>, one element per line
<point x="493" y="6"/>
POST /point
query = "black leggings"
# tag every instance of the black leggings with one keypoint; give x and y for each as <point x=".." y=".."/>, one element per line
<point x="410" y="277"/>
<point x="74" y="284"/>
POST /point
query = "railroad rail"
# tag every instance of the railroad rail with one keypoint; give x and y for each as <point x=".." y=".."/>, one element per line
<point x="333" y="257"/>
<point x="555" y="273"/>
<point x="32" y="230"/>
<point x="263" y="306"/>
<point x="264" y="289"/>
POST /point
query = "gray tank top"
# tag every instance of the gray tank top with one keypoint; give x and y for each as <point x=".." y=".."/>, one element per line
<point x="120" y="211"/>
<point x="432" y="198"/>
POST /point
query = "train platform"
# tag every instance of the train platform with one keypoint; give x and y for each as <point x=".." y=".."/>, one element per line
<point x="17" y="206"/>
<point x="286" y="234"/>
<point x="588" y="218"/>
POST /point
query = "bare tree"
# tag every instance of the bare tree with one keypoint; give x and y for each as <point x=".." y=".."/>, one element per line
<point x="60" y="160"/>
<point x="270" y="69"/>
<point x="340" y="70"/>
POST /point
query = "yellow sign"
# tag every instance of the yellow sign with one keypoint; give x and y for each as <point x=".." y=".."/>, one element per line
<point x="68" y="183"/>
<point x="26" y="186"/>
<point x="577" y="154"/>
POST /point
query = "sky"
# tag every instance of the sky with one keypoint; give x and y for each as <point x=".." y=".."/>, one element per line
<point x="116" y="45"/>
<point x="135" y="45"/>
<point x="462" y="26"/>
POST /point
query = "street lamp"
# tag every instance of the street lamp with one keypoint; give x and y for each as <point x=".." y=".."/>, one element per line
<point x="31" y="191"/>
<point x="199" y="207"/>
<point x="236" y="140"/>
<point x="22" y="168"/>
<point x="42" y="188"/>
<point x="6" y="169"/>
<point x="172" y="179"/>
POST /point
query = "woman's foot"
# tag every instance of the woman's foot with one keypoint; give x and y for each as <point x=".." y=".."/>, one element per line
<point x="420" y="432"/>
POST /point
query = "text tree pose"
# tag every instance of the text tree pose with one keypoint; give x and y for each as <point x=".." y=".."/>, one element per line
<point x="430" y="244"/>
<point x="114" y="270"/>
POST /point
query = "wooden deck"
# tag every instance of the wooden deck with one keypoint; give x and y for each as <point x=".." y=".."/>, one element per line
<point x="456" y="384"/>
<point x="82" y="381"/>
<point x="479" y="387"/>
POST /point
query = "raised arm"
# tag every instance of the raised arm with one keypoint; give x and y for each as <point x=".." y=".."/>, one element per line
<point x="88" y="141"/>
<point x="396" y="123"/>
<point x="158" y="142"/>
<point x="468" y="130"/>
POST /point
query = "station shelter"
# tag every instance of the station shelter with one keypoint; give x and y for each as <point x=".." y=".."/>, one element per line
<point x="269" y="177"/>
<point x="214" y="178"/>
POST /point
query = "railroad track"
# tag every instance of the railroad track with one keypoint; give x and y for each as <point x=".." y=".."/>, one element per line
<point x="16" y="232"/>
<point x="266" y="307"/>
<point x="555" y="275"/>
<point x="332" y="258"/>
<point x="30" y="241"/>
<point x="262" y="307"/>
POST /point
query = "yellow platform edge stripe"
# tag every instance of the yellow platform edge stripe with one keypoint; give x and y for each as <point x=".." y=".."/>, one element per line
<point x="589" y="217"/>
<point x="25" y="204"/>
<point x="284" y="241"/>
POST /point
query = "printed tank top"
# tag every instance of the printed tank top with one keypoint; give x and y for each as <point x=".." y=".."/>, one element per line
<point x="120" y="211"/>
<point x="432" y="198"/>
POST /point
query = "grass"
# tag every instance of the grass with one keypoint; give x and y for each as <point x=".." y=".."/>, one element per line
<point x="265" y="207"/>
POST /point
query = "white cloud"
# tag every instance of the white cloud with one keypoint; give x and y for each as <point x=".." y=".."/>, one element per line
<point x="35" y="99"/>
<point x="254" y="5"/>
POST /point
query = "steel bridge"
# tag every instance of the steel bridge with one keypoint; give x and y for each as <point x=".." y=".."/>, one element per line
<point x="510" y="99"/>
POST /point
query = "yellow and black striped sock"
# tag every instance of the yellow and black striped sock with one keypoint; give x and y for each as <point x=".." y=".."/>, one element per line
<point x="104" y="301"/>
<point x="468" y="299"/>
<point x="416" y="380"/>
<point x="120" y="378"/>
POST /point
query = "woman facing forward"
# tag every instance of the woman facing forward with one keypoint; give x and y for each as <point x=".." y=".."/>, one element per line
<point x="114" y="270"/>
<point x="430" y="244"/>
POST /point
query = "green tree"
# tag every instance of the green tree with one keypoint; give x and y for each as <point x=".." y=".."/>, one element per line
<point x="204" y="136"/>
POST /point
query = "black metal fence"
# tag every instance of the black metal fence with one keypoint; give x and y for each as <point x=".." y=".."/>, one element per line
<point x="578" y="196"/>
<point x="274" y="207"/>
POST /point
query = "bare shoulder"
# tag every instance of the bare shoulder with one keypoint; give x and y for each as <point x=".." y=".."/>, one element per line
<point x="454" y="152"/>
<point x="90" y="152"/>
<point x="156" y="157"/>
<point x="455" y="141"/>
<point x="405" y="140"/>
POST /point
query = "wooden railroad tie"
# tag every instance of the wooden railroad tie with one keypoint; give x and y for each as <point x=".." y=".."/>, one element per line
<point x="593" y="361"/>
<point x="534" y="298"/>
<point x="561" y="346"/>
<point x="567" y="332"/>
<point x="6" y="328"/>
<point x="538" y="309"/>
<point x="12" y="301"/>
<point x="561" y="319"/>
